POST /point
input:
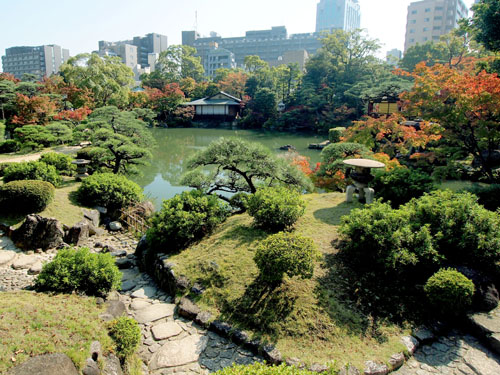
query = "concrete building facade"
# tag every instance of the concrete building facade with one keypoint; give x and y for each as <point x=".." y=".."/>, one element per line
<point x="270" y="45"/>
<point x="338" y="14"/>
<point x="427" y="20"/>
<point x="218" y="58"/>
<point x="152" y="43"/>
<point x="41" y="60"/>
<point x="127" y="52"/>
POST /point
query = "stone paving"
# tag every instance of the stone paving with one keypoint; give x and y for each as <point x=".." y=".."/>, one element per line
<point x="171" y="344"/>
<point x="454" y="354"/>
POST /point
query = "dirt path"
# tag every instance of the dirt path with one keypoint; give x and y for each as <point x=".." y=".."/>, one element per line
<point x="36" y="156"/>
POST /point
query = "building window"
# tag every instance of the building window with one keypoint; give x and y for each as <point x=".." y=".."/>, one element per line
<point x="426" y="29"/>
<point x="413" y="12"/>
<point x="427" y="19"/>
<point x="425" y="39"/>
<point x="427" y="10"/>
<point x="412" y="31"/>
<point x="438" y="18"/>
<point x="412" y="40"/>
<point x="439" y="8"/>
<point x="437" y="27"/>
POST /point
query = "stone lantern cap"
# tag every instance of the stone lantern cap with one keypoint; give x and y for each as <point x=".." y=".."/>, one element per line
<point x="80" y="161"/>
<point x="364" y="163"/>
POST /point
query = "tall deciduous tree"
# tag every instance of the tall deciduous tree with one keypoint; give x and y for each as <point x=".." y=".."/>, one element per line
<point x="106" y="77"/>
<point x="486" y="23"/>
<point x="178" y="62"/>
<point x="465" y="103"/>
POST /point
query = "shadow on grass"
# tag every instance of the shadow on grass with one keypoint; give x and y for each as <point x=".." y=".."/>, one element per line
<point x="332" y="215"/>
<point x="262" y="307"/>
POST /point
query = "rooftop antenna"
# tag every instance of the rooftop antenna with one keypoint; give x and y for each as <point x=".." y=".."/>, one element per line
<point x="196" y="20"/>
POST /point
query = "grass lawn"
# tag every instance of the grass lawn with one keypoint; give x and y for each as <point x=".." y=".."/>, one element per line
<point x="457" y="185"/>
<point x="308" y="319"/>
<point x="63" y="207"/>
<point x="36" y="323"/>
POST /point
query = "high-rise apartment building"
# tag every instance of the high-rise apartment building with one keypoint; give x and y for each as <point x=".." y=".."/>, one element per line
<point x="127" y="52"/>
<point x="136" y="51"/>
<point x="218" y="58"/>
<point x="427" y="20"/>
<point x="41" y="60"/>
<point x="270" y="45"/>
<point x="338" y="14"/>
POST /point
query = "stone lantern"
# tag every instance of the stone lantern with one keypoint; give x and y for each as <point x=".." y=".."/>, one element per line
<point x="361" y="177"/>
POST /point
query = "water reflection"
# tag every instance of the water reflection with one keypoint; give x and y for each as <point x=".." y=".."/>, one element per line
<point x="160" y="179"/>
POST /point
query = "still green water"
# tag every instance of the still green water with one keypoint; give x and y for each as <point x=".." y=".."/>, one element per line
<point x="160" y="179"/>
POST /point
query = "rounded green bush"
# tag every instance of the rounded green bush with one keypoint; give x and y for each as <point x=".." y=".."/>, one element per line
<point x="276" y="208"/>
<point x="263" y="369"/>
<point x="80" y="270"/>
<point x="285" y="253"/>
<point x="334" y="134"/>
<point x="27" y="196"/>
<point x="10" y="145"/>
<point x="184" y="219"/>
<point x="449" y="291"/>
<point x="126" y="334"/>
<point x="401" y="185"/>
<point x="32" y="170"/>
<point x="61" y="162"/>
<point x="108" y="190"/>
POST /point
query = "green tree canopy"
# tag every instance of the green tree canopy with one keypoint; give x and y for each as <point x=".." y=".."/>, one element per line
<point x="119" y="139"/>
<point x="106" y="77"/>
<point x="486" y="23"/>
<point x="235" y="165"/>
<point x="178" y="62"/>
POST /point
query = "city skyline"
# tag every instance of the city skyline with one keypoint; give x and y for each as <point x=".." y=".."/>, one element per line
<point x="78" y="27"/>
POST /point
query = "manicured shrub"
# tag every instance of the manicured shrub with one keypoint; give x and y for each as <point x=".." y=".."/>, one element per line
<point x="285" y="253"/>
<point x="9" y="145"/>
<point x="81" y="271"/>
<point x="379" y="239"/>
<point x="400" y="185"/>
<point x="184" y="219"/>
<point x="108" y="190"/>
<point x="32" y="170"/>
<point x="263" y="369"/>
<point x="126" y="334"/>
<point x="61" y="162"/>
<point x="3" y="167"/>
<point x="276" y="208"/>
<point x="27" y="196"/>
<point x="488" y="196"/>
<point x="463" y="232"/>
<point x="334" y="134"/>
<point x="449" y="291"/>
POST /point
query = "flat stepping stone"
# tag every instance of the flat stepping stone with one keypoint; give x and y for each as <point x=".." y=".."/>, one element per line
<point x="127" y="285"/>
<point x="154" y="312"/>
<point x="23" y="262"/>
<point x="145" y="292"/>
<point x="6" y="256"/>
<point x="165" y="330"/>
<point x="179" y="352"/>
<point x="139" y="304"/>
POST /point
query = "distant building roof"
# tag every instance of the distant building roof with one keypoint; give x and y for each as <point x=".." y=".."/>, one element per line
<point x="228" y="100"/>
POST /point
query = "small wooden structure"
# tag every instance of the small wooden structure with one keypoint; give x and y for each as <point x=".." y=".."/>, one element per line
<point x="221" y="107"/>
<point x="383" y="106"/>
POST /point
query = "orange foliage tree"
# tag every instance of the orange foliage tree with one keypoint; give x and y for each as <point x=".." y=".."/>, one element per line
<point x="466" y="105"/>
<point x="390" y="135"/>
<point x="234" y="84"/>
<point x="34" y="110"/>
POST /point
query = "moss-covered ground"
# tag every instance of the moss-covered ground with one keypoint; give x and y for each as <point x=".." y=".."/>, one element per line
<point x="308" y="319"/>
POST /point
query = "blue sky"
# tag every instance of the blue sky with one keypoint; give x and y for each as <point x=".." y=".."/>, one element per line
<point x="79" y="25"/>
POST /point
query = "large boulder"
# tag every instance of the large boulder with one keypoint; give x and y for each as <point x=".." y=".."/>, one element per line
<point x="78" y="233"/>
<point x="93" y="216"/>
<point x="38" y="232"/>
<point x="486" y="295"/>
<point x="46" y="364"/>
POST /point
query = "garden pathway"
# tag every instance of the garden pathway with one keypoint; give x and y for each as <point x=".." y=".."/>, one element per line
<point x="171" y="344"/>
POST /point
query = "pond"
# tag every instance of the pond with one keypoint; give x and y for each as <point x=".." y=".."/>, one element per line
<point x="160" y="179"/>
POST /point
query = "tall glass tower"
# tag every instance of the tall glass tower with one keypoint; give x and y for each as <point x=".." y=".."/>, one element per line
<point x="338" y="14"/>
